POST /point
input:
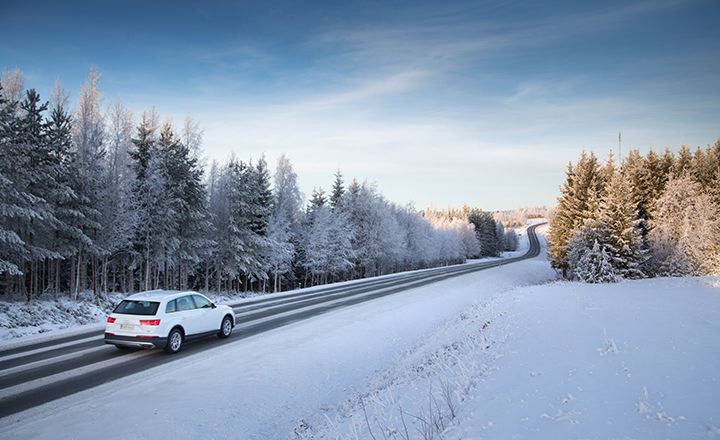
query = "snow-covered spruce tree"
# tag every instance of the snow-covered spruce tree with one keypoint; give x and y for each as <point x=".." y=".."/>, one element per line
<point x="623" y="244"/>
<point x="647" y="177"/>
<point x="15" y="204"/>
<point x="326" y="241"/>
<point x="261" y="210"/>
<point x="155" y="219"/>
<point x="34" y="177"/>
<point x="25" y="213"/>
<point x="487" y="233"/>
<point x="241" y="249"/>
<point x="579" y="201"/>
<point x="593" y="265"/>
<point x="686" y="231"/>
<point x="683" y="162"/>
<point x="338" y="190"/>
<point x="67" y="236"/>
<point x="186" y="195"/>
<point x="612" y="240"/>
<point x="341" y="250"/>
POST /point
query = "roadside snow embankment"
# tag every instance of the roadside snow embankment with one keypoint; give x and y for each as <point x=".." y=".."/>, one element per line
<point x="633" y="360"/>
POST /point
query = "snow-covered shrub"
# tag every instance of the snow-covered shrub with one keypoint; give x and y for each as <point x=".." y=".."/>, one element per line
<point x="511" y="240"/>
<point x="588" y="257"/>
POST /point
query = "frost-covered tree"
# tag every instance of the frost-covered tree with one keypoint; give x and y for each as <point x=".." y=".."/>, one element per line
<point x="623" y="243"/>
<point x="376" y="236"/>
<point x="510" y="240"/>
<point x="592" y="265"/>
<point x="13" y="87"/>
<point x="486" y="230"/>
<point x="185" y="192"/>
<point x="282" y="224"/>
<point x="579" y="201"/>
<point x="67" y="236"/>
<point x="118" y="207"/>
<point x="15" y="203"/>
<point x="338" y="190"/>
<point x="153" y="208"/>
<point x="88" y="136"/>
<point x="26" y="213"/>
<point x="686" y="234"/>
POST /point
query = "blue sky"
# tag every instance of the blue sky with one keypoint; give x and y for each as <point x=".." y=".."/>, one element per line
<point x="478" y="102"/>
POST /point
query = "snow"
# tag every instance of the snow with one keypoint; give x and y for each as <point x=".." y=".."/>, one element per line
<point x="502" y="353"/>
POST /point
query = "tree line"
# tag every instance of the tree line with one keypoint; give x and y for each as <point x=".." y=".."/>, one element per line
<point x="90" y="200"/>
<point x="652" y="215"/>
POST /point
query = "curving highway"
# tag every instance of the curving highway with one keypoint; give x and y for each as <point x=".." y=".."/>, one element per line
<point x="41" y="372"/>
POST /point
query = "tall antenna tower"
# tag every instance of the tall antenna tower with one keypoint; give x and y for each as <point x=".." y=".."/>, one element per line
<point x="619" y="148"/>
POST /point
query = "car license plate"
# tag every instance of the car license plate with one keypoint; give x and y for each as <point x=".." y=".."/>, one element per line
<point x="127" y="326"/>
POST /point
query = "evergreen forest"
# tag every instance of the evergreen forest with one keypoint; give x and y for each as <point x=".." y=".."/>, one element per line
<point x="92" y="199"/>
<point x="651" y="215"/>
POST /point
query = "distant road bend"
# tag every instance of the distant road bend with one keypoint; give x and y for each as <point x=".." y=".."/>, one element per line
<point x="44" y="371"/>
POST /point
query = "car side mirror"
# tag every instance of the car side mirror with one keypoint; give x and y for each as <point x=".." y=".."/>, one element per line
<point x="213" y="305"/>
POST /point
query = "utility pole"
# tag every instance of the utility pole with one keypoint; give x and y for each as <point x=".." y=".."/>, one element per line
<point x="619" y="148"/>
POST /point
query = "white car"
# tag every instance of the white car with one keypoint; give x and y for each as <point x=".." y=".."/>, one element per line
<point x="166" y="319"/>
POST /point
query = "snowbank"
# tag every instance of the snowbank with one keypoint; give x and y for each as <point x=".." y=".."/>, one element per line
<point x="632" y="360"/>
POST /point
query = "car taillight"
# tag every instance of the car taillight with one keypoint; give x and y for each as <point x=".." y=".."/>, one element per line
<point x="111" y="319"/>
<point x="149" y="322"/>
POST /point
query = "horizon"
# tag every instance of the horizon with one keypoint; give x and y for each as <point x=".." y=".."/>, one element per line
<point x="471" y="103"/>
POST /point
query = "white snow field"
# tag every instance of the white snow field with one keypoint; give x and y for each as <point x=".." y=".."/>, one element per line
<point x="472" y="357"/>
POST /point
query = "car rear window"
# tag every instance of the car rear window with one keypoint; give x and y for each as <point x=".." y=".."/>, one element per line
<point x="129" y="307"/>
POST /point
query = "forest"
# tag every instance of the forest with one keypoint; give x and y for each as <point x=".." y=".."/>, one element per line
<point x="651" y="215"/>
<point x="92" y="200"/>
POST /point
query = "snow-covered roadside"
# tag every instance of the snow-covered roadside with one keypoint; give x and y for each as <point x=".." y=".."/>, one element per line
<point x="632" y="360"/>
<point x="274" y="384"/>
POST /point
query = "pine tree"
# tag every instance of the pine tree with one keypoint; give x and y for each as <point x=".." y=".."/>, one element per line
<point x="36" y="174"/>
<point x="595" y="266"/>
<point x="15" y="203"/>
<point x="186" y="194"/>
<point x="579" y="202"/>
<point x="338" y="190"/>
<point x="68" y="235"/>
<point x="318" y="198"/>
<point x="682" y="163"/>
<point x="621" y="239"/>
<point x="152" y="205"/>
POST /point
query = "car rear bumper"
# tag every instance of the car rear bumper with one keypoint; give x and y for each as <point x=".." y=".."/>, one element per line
<point x="136" y="341"/>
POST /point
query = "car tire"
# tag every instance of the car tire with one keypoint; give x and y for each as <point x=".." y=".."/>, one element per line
<point x="226" y="327"/>
<point x="175" y="340"/>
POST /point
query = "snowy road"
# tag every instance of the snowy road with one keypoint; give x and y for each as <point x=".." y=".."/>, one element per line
<point x="44" y="371"/>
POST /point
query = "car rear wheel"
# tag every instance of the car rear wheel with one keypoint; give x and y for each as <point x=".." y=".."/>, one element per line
<point x="175" y="340"/>
<point x="225" y="327"/>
